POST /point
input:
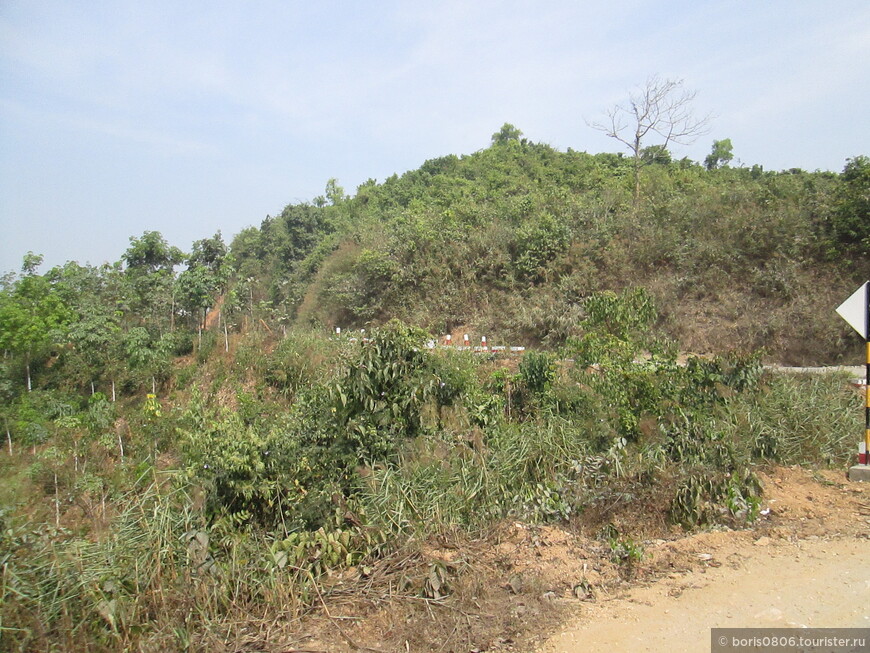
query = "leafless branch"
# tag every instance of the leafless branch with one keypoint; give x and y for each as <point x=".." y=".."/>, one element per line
<point x="661" y="107"/>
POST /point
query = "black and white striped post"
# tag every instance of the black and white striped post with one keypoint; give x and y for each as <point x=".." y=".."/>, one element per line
<point x="867" y="375"/>
<point x="856" y="311"/>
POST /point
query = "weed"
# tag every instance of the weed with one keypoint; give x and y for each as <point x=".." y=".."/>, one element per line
<point x="537" y="371"/>
<point x="703" y="498"/>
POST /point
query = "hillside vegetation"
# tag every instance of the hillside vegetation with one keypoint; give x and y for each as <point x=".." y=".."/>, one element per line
<point x="510" y="240"/>
<point x="192" y="454"/>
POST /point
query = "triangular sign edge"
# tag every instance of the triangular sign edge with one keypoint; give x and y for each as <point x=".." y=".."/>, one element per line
<point x="854" y="309"/>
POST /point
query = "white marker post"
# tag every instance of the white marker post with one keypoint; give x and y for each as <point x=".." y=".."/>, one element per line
<point x="856" y="311"/>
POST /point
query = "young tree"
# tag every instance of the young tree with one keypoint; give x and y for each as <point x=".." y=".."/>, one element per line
<point x="32" y="314"/>
<point x="720" y="155"/>
<point x="93" y="334"/>
<point x="196" y="288"/>
<point x="210" y="253"/>
<point x="208" y="269"/>
<point x="150" y="274"/>
<point x="151" y="253"/>
<point x="660" y="108"/>
<point x="506" y="134"/>
<point x="335" y="193"/>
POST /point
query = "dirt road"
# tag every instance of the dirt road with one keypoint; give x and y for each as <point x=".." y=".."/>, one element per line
<point x="814" y="583"/>
<point x="550" y="589"/>
<point x="808" y="565"/>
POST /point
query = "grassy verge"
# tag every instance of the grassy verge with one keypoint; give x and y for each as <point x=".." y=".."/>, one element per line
<point x="223" y="517"/>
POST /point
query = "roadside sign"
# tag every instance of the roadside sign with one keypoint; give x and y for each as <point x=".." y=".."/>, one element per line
<point x="854" y="310"/>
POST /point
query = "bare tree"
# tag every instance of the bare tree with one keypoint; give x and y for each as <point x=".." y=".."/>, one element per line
<point x="660" y="108"/>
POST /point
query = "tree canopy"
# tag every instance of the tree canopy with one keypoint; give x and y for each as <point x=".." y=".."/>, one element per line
<point x="32" y="314"/>
<point x="720" y="155"/>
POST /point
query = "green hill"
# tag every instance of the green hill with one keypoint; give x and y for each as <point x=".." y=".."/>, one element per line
<point x="508" y="242"/>
<point x="194" y="458"/>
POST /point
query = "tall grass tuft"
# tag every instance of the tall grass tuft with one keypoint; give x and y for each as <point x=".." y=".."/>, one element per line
<point x="799" y="419"/>
<point x="157" y="581"/>
<point x="518" y="470"/>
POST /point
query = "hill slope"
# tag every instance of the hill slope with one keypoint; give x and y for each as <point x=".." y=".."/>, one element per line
<point x="508" y="242"/>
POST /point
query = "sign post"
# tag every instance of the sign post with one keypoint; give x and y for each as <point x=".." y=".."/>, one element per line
<point x="856" y="311"/>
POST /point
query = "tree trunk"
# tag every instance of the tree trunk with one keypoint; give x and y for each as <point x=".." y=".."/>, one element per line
<point x="56" y="503"/>
<point x="637" y="163"/>
<point x="636" y="185"/>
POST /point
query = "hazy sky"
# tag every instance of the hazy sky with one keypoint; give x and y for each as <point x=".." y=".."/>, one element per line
<point x="189" y="117"/>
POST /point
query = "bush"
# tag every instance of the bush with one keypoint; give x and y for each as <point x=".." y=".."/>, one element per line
<point x="850" y="222"/>
<point x="299" y="361"/>
<point x="537" y="371"/>
<point x="378" y="398"/>
<point x="705" y="498"/>
<point x="627" y="316"/>
<point x="537" y="245"/>
<point x="361" y="292"/>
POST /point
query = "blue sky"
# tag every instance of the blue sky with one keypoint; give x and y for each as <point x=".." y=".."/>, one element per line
<point x="191" y="117"/>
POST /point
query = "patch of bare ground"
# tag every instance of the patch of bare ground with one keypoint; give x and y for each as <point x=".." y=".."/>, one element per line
<point x="515" y="588"/>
